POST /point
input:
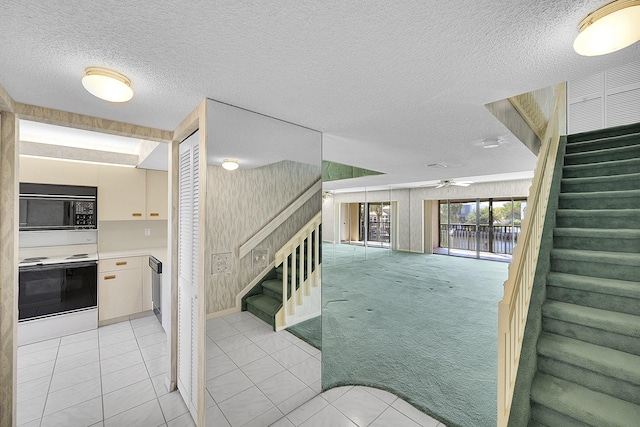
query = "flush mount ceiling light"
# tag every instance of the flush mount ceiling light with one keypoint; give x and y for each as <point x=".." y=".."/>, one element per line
<point x="106" y="84"/>
<point x="490" y="144"/>
<point x="230" y="164"/>
<point x="608" y="29"/>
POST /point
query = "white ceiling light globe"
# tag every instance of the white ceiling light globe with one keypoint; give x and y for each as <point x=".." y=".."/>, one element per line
<point x="108" y="85"/>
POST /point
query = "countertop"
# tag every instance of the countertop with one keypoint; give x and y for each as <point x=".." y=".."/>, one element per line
<point x="160" y="253"/>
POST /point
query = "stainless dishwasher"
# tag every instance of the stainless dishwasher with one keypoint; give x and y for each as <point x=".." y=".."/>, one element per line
<point x="156" y="286"/>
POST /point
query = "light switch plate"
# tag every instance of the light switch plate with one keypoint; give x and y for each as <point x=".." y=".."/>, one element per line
<point x="260" y="257"/>
<point x="221" y="263"/>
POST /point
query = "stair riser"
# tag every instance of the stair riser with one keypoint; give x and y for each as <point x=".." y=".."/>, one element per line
<point x="270" y="293"/>
<point x="591" y="335"/>
<point x="602" y="144"/>
<point x="611" y="132"/>
<point x="590" y="379"/>
<point x="594" y="269"/>
<point x="603" y="156"/>
<point x="598" y="220"/>
<point x="602" y="169"/>
<point x="594" y="299"/>
<point x="632" y="183"/>
<point x="549" y="417"/>
<point x="597" y="244"/>
<point x="622" y="201"/>
<point x="260" y="314"/>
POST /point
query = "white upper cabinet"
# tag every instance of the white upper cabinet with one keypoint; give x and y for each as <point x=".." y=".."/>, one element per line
<point x="156" y="194"/>
<point x="121" y="193"/>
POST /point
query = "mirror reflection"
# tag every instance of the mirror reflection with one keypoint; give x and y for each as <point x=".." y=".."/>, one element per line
<point x="398" y="316"/>
<point x="263" y="262"/>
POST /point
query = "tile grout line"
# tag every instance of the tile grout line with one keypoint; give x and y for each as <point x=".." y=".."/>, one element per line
<point x="270" y="355"/>
<point x="149" y="375"/>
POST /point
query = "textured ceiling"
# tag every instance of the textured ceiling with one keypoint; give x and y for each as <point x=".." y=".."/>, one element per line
<point x="394" y="85"/>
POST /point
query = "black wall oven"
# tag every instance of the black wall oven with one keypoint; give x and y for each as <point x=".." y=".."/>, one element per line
<point x="50" y="289"/>
<point x="57" y="207"/>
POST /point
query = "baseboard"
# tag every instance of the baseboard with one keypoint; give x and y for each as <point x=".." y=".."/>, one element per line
<point x="226" y="312"/>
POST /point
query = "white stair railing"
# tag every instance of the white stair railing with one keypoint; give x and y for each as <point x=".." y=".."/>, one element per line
<point x="297" y="291"/>
<point x="513" y="309"/>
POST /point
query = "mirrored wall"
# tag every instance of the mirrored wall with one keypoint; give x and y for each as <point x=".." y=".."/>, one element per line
<point x="263" y="261"/>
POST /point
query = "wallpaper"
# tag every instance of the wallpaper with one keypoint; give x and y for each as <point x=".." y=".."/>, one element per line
<point x="239" y="204"/>
<point x="8" y="270"/>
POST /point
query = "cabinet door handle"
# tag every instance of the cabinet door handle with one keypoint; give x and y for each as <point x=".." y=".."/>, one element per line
<point x="113" y="276"/>
<point x="136" y="214"/>
<point x="154" y="214"/>
<point x="121" y="263"/>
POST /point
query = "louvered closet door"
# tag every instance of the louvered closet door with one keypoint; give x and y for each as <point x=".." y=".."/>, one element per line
<point x="610" y="98"/>
<point x="188" y="247"/>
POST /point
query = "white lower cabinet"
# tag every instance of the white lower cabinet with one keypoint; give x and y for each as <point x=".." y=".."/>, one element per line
<point x="120" y="290"/>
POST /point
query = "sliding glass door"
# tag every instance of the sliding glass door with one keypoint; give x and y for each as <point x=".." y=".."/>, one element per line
<point x="482" y="228"/>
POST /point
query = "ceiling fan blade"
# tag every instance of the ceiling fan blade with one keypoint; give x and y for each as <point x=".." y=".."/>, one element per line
<point x="461" y="184"/>
<point x="440" y="185"/>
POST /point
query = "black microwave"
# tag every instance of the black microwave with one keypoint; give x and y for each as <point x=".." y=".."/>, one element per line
<point x="57" y="207"/>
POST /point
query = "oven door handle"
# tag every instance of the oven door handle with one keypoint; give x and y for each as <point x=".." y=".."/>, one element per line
<point x="58" y="266"/>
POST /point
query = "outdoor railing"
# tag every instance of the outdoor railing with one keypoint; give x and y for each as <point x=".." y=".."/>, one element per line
<point x="497" y="239"/>
<point x="514" y="307"/>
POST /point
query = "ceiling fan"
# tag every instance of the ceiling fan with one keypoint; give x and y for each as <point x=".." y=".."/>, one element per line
<point x="450" y="182"/>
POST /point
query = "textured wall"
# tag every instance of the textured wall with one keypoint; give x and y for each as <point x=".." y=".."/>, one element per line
<point x="8" y="270"/>
<point x="239" y="204"/>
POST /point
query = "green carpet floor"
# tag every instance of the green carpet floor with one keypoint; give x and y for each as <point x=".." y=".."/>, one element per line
<point x="421" y="326"/>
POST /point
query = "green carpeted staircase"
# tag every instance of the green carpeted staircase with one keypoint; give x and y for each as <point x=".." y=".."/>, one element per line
<point x="265" y="299"/>
<point x="588" y="365"/>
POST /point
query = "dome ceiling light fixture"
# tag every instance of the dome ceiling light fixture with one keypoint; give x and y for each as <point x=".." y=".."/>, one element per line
<point x="612" y="27"/>
<point x="230" y="164"/>
<point x="107" y="84"/>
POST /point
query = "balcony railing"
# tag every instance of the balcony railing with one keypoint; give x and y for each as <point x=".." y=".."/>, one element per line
<point x="497" y="239"/>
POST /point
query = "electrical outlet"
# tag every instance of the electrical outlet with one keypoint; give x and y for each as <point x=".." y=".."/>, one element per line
<point x="260" y="257"/>
<point x="147" y="232"/>
<point x="221" y="263"/>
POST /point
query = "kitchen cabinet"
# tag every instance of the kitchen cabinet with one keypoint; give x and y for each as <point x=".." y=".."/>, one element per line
<point x="120" y="287"/>
<point x="56" y="171"/>
<point x="121" y="193"/>
<point x="156" y="195"/>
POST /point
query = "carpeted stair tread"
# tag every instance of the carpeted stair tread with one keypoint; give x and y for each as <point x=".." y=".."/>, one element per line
<point x="602" y="155"/>
<point x="606" y="168"/>
<point x="613" y="218"/>
<point x="274" y="285"/>
<point x="610" y="132"/>
<point x="620" y="323"/>
<point x="627" y="181"/>
<point x="600" y="200"/>
<point x="582" y="404"/>
<point x="601" y="143"/>
<point x="602" y="360"/>
<point x="598" y="233"/>
<point x="595" y="239"/>
<point x="614" y="258"/>
<point x="620" y="288"/>
<point x="265" y="304"/>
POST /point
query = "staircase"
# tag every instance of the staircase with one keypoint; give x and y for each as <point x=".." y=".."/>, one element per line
<point x="588" y="366"/>
<point x="297" y="271"/>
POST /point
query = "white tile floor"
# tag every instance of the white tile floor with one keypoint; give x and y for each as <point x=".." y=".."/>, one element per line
<point x="257" y="377"/>
<point x="114" y="376"/>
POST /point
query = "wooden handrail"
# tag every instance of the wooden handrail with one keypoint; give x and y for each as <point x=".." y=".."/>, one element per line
<point x="514" y="307"/>
<point x="294" y="292"/>
<point x="271" y="226"/>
